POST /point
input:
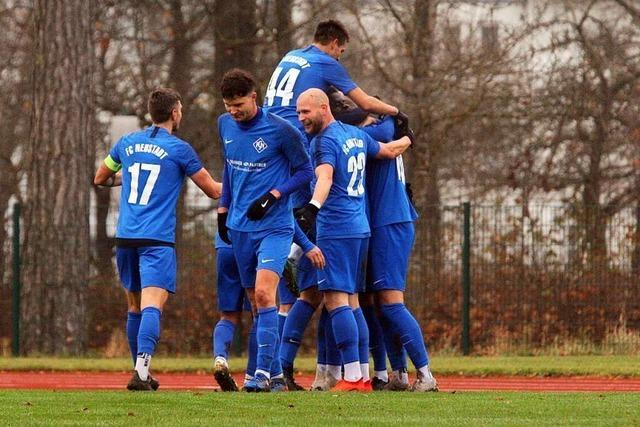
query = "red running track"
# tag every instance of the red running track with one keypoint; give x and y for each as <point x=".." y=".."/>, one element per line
<point x="172" y="381"/>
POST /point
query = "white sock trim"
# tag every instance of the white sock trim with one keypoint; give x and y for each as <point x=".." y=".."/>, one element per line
<point x="352" y="371"/>
<point x="143" y="363"/>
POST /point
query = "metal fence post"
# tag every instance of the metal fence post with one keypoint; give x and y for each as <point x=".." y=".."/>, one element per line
<point x="15" y="342"/>
<point x="466" y="277"/>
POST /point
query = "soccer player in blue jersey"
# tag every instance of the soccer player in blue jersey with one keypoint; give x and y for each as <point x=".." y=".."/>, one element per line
<point x="151" y="165"/>
<point x="265" y="161"/>
<point x="339" y="154"/>
<point x="391" y="217"/>
<point x="314" y="66"/>
<point x="317" y="66"/>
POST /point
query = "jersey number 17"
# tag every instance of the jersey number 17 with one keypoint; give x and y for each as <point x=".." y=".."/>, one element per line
<point x="134" y="170"/>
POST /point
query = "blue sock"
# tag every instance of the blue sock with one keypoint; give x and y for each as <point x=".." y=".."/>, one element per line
<point x="133" y="325"/>
<point x="408" y="329"/>
<point x="267" y="337"/>
<point x="332" y="353"/>
<point x="376" y="338"/>
<point x="395" y="351"/>
<point x="363" y="335"/>
<point x="252" y="351"/>
<point x="282" y="318"/>
<point x="294" y="328"/>
<point x="222" y="337"/>
<point x="321" y="340"/>
<point x="276" y="366"/>
<point x="149" y="332"/>
<point x="345" y="331"/>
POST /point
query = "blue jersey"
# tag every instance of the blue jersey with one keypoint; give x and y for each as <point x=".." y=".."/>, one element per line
<point x="345" y="148"/>
<point x="386" y="192"/>
<point x="299" y="70"/>
<point x="259" y="156"/>
<point x="154" y="164"/>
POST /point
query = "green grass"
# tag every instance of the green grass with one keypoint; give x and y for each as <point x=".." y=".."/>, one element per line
<point x="384" y="408"/>
<point x="611" y="366"/>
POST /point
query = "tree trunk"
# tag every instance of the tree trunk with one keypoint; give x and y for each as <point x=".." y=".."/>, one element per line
<point x="235" y="27"/>
<point x="283" y="26"/>
<point x="59" y="169"/>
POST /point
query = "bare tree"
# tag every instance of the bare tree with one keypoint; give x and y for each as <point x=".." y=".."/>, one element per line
<point x="56" y="250"/>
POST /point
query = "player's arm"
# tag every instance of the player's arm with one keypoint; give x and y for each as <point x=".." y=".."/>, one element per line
<point x="391" y="150"/>
<point x="310" y="250"/>
<point x="370" y="103"/>
<point x="302" y="172"/>
<point x="108" y="174"/>
<point x="207" y="184"/>
<point x="306" y="216"/>
<point x="223" y="206"/>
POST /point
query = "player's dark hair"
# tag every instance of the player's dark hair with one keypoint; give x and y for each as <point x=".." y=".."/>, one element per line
<point x="161" y="103"/>
<point x="237" y="83"/>
<point x="326" y="31"/>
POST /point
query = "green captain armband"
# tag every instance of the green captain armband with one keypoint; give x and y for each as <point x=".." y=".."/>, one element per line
<point x="111" y="164"/>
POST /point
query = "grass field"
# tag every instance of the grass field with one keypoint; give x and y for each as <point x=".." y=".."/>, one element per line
<point x="613" y="366"/>
<point x="382" y="408"/>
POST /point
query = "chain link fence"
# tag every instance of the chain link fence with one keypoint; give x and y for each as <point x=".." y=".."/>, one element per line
<point x="537" y="284"/>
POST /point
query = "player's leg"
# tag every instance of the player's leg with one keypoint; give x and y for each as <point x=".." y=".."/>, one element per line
<point x="399" y="378"/>
<point x="272" y="251"/>
<point x="337" y="281"/>
<point x="376" y="341"/>
<point x="319" y="382"/>
<point x="367" y="301"/>
<point x="230" y="303"/>
<point x="298" y="319"/>
<point x="157" y="269"/>
<point x="333" y="356"/>
<point x="133" y="322"/>
<point x="128" y="264"/>
<point x="363" y="337"/>
<point x="244" y="251"/>
<point x="363" y="329"/>
<point x="391" y="299"/>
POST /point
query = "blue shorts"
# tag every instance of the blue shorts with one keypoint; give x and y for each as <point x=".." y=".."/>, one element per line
<point x="259" y="250"/>
<point x="345" y="267"/>
<point x="147" y="266"/>
<point x="230" y="292"/>
<point x="389" y="250"/>
<point x="306" y="274"/>
<point x="285" y="296"/>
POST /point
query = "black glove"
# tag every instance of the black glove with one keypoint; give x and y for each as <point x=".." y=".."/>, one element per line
<point x="259" y="208"/>
<point x="407" y="187"/>
<point x="223" y="231"/>
<point x="401" y="124"/>
<point x="306" y="217"/>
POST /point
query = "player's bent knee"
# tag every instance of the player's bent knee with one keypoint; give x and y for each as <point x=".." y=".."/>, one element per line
<point x="264" y="298"/>
<point x="311" y="296"/>
<point x="231" y="316"/>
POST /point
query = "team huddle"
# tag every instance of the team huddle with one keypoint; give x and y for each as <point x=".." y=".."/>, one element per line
<point x="313" y="214"/>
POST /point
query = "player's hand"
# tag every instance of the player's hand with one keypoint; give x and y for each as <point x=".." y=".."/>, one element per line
<point x="259" y="208"/>
<point x="316" y="257"/>
<point x="306" y="217"/>
<point x="223" y="231"/>
<point x="401" y="123"/>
